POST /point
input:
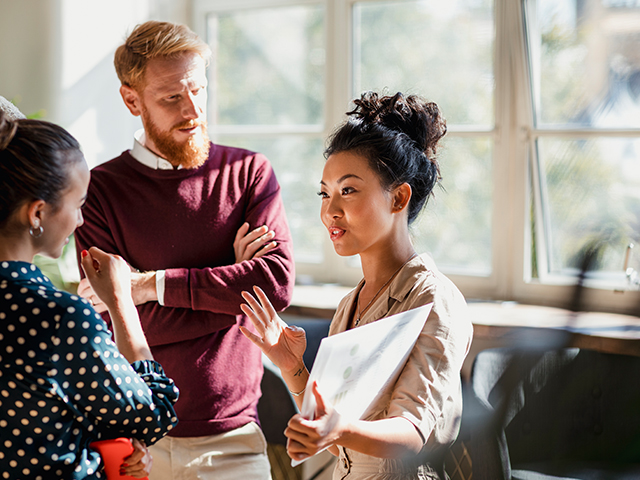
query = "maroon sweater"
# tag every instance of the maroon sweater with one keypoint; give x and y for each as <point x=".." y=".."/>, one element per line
<point x="184" y="222"/>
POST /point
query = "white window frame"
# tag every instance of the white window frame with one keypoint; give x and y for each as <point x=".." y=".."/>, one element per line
<point x="514" y="162"/>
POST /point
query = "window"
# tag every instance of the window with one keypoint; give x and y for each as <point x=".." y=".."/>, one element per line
<point x="399" y="46"/>
<point x="585" y="73"/>
<point x="273" y="103"/>
<point x="542" y="101"/>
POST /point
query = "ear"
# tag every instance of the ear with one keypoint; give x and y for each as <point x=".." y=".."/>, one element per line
<point x="401" y="197"/>
<point x="131" y="99"/>
<point x="36" y="212"/>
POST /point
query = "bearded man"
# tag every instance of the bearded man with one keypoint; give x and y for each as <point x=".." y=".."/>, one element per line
<point x="191" y="219"/>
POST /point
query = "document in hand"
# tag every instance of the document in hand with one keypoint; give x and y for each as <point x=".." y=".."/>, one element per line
<point x="353" y="368"/>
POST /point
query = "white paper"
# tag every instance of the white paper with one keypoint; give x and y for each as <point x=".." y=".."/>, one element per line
<point x="353" y="367"/>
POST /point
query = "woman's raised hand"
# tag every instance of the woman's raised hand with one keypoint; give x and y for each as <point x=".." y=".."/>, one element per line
<point x="283" y="344"/>
<point x="109" y="276"/>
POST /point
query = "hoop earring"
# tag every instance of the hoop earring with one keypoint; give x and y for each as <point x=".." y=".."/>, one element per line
<point x="36" y="232"/>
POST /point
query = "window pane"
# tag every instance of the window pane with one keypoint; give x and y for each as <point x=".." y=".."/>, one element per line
<point x="267" y="66"/>
<point x="441" y="50"/>
<point x="592" y="192"/>
<point x="589" y="67"/>
<point x="298" y="164"/>
<point x="455" y="226"/>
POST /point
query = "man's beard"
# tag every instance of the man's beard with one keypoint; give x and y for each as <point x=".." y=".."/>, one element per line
<point x="190" y="154"/>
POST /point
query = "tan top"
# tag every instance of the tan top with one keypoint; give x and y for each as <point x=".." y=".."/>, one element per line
<point x="428" y="392"/>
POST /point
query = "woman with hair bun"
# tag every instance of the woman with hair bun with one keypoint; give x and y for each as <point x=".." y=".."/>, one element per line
<point x="381" y="169"/>
<point x="64" y="383"/>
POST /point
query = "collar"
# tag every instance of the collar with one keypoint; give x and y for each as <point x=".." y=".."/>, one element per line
<point x="399" y="288"/>
<point x="145" y="156"/>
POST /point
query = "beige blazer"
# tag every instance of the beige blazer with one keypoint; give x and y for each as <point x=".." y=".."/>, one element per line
<point x="428" y="391"/>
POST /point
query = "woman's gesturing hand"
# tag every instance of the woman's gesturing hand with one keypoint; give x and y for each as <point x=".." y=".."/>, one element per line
<point x="283" y="344"/>
<point x="308" y="437"/>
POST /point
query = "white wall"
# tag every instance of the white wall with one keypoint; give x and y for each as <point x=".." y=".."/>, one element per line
<point x="57" y="56"/>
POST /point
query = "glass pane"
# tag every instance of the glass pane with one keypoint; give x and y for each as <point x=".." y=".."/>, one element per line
<point x="586" y="63"/>
<point x="455" y="227"/>
<point x="298" y="164"/>
<point x="267" y="66"/>
<point x="592" y="193"/>
<point x="440" y="50"/>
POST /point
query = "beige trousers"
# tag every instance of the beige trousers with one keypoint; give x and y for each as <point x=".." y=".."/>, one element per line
<point x="234" y="455"/>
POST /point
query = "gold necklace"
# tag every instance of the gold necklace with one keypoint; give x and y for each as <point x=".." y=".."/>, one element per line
<point x="378" y="292"/>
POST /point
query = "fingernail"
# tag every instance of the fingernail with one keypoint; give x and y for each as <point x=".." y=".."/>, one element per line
<point x="84" y="253"/>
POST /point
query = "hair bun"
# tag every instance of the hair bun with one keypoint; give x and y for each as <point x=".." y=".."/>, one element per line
<point x="420" y="120"/>
<point x="399" y="137"/>
<point x="8" y="128"/>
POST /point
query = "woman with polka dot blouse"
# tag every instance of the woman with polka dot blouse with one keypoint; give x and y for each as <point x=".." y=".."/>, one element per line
<point x="63" y="382"/>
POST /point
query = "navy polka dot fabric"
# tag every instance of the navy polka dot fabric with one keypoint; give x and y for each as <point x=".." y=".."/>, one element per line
<point x="63" y="383"/>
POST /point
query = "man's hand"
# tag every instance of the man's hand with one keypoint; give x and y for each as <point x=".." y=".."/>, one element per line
<point x="143" y="287"/>
<point x="254" y="244"/>
<point x="143" y="290"/>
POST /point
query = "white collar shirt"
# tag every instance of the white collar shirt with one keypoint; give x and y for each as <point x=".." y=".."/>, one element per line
<point x="146" y="157"/>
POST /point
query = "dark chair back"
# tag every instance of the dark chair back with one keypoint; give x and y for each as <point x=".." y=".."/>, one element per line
<point x="561" y="412"/>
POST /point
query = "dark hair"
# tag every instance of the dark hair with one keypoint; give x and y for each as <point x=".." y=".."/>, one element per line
<point x="34" y="163"/>
<point x="399" y="136"/>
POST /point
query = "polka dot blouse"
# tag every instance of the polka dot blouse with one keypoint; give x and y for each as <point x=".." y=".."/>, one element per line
<point x="63" y="383"/>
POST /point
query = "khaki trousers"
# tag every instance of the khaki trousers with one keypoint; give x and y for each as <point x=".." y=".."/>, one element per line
<point x="238" y="454"/>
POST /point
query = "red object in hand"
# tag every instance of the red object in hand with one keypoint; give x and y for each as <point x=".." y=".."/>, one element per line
<point x="113" y="453"/>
